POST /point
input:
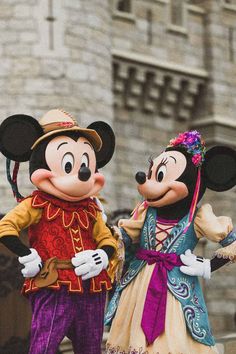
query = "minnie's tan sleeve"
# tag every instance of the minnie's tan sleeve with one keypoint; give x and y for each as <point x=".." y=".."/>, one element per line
<point x="217" y="229"/>
<point x="132" y="227"/>
<point x="207" y="224"/>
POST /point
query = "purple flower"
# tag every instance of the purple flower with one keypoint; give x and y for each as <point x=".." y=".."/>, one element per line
<point x="190" y="140"/>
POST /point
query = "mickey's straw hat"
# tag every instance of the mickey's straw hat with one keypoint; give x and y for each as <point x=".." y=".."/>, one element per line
<point x="20" y="134"/>
<point x="56" y="121"/>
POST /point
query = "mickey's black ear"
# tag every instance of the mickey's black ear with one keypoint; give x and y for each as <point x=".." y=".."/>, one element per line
<point x="219" y="168"/>
<point x="17" y="134"/>
<point x="107" y="136"/>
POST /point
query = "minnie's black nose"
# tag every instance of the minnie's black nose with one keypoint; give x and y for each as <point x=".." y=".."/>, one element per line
<point x="84" y="173"/>
<point x="140" y="177"/>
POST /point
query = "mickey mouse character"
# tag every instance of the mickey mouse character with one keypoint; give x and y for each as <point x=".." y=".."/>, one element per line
<point x="161" y="308"/>
<point x="67" y="267"/>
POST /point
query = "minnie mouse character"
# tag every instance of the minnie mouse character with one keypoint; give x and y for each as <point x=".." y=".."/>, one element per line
<point x="158" y="305"/>
<point x="70" y="263"/>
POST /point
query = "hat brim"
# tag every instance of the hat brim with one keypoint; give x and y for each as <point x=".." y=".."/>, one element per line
<point x="90" y="134"/>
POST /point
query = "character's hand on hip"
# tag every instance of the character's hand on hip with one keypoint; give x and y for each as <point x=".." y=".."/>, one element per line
<point x="90" y="263"/>
<point x="32" y="264"/>
<point x="195" y="265"/>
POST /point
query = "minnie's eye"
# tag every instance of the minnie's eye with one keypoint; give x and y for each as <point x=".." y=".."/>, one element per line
<point x="161" y="172"/>
<point x="149" y="175"/>
<point x="67" y="162"/>
<point x="85" y="160"/>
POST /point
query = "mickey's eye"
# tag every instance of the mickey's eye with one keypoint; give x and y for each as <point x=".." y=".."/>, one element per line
<point x="67" y="162"/>
<point x="85" y="160"/>
<point x="161" y="172"/>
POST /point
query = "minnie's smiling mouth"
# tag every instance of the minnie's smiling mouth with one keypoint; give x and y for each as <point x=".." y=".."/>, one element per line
<point x="156" y="199"/>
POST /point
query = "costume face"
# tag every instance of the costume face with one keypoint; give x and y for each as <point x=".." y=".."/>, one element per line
<point x="177" y="179"/>
<point x="162" y="187"/>
<point x="72" y="172"/>
<point x="63" y="157"/>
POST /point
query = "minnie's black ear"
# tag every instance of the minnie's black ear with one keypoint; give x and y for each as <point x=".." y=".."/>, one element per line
<point x="219" y="168"/>
<point x="107" y="136"/>
<point x="17" y="134"/>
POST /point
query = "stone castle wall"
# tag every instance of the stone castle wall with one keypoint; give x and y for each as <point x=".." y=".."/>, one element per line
<point x="54" y="54"/>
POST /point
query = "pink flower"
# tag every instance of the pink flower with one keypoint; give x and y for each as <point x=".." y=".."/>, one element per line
<point x="196" y="159"/>
<point x="177" y="141"/>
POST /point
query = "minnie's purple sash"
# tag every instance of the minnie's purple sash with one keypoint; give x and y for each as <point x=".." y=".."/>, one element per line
<point x="154" y="312"/>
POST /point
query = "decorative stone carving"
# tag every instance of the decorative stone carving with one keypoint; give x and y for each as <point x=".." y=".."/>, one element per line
<point x="168" y="91"/>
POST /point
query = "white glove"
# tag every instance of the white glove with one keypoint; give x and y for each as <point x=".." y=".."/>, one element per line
<point x="32" y="263"/>
<point x="90" y="263"/>
<point x="195" y="265"/>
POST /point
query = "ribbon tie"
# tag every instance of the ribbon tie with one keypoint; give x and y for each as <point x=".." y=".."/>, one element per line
<point x="154" y="312"/>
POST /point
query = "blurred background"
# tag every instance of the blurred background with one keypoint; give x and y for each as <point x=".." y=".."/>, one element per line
<point x="151" y="69"/>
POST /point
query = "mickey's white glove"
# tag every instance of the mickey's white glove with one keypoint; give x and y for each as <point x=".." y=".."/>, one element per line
<point x="90" y="263"/>
<point x="195" y="265"/>
<point x="32" y="263"/>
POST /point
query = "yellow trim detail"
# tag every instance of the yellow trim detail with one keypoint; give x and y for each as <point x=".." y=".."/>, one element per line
<point x="49" y="217"/>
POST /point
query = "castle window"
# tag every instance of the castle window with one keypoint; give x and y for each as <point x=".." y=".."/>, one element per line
<point x="177" y="12"/>
<point x="124" y="6"/>
<point x="123" y="10"/>
<point x="231" y="42"/>
<point x="177" y="16"/>
<point x="51" y="24"/>
<point x="229" y="4"/>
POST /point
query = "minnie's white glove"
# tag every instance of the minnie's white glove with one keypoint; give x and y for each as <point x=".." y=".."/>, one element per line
<point x="90" y="263"/>
<point x="32" y="263"/>
<point x="195" y="265"/>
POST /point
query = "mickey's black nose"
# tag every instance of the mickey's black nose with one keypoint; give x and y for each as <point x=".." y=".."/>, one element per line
<point x="84" y="173"/>
<point x="140" y="177"/>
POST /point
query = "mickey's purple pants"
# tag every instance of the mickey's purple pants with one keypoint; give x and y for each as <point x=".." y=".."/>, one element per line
<point x="56" y="314"/>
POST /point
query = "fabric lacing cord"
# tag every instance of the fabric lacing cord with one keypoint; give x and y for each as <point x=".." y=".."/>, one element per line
<point x="13" y="179"/>
<point x="164" y="226"/>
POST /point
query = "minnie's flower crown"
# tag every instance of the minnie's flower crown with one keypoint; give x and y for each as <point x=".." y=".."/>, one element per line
<point x="194" y="145"/>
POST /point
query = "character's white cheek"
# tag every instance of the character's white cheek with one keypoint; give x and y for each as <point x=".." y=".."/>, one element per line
<point x="99" y="179"/>
<point x="65" y="181"/>
<point x="40" y="175"/>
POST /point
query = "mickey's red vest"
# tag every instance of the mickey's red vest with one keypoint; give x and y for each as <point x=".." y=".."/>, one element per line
<point x="64" y="229"/>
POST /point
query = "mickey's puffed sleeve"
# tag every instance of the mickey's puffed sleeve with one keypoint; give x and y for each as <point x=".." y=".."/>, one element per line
<point x="217" y="229"/>
<point x="16" y="220"/>
<point x="19" y="218"/>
